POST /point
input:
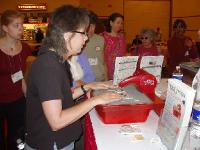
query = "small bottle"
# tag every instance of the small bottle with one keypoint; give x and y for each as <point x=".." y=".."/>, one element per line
<point x="194" y="128"/>
<point x="177" y="74"/>
<point x="20" y="144"/>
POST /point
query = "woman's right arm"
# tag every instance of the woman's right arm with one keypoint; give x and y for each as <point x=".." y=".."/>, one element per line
<point x="59" y="118"/>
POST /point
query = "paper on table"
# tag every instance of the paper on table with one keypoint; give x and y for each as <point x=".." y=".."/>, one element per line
<point x="130" y="129"/>
<point x="153" y="65"/>
<point x="124" y="67"/>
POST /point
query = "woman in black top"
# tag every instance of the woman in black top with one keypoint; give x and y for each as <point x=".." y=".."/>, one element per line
<point x="52" y="117"/>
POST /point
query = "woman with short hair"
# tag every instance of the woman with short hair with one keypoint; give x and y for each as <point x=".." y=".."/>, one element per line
<point x="52" y="116"/>
<point x="148" y="46"/>
<point x="180" y="47"/>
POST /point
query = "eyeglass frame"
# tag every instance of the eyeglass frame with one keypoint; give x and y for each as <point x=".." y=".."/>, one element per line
<point x="144" y="38"/>
<point x="83" y="33"/>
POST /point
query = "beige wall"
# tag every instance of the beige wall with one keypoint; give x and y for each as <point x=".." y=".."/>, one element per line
<point x="146" y="14"/>
<point x="185" y="7"/>
<point x="137" y="13"/>
<point x="103" y="8"/>
<point x="190" y="12"/>
<point x="52" y="4"/>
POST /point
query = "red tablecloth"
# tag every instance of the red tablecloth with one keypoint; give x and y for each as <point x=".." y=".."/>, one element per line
<point x="89" y="143"/>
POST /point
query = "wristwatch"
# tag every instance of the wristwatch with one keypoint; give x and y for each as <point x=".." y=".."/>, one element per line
<point x="83" y="89"/>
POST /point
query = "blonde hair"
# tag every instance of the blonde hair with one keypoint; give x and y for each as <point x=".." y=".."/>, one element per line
<point x="6" y="18"/>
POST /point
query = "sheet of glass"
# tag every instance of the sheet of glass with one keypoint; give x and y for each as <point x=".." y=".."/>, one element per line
<point x="132" y="95"/>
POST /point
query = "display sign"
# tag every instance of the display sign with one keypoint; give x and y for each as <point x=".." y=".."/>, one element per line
<point x="28" y="7"/>
<point x="152" y="65"/>
<point x="174" y="121"/>
<point x="124" y="67"/>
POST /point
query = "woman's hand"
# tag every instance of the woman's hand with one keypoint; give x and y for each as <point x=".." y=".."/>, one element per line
<point x="99" y="85"/>
<point x="108" y="97"/>
<point x="24" y="87"/>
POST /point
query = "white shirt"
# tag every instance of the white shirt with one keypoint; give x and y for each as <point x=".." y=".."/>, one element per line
<point x="76" y="70"/>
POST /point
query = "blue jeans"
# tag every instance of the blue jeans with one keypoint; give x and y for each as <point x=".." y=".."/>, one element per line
<point x="68" y="147"/>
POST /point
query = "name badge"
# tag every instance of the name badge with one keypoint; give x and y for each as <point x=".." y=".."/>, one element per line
<point x="93" y="61"/>
<point x="17" y="76"/>
<point x="186" y="53"/>
<point x="97" y="48"/>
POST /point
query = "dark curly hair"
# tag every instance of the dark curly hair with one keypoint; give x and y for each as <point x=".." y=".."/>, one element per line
<point x="112" y="18"/>
<point x="93" y="18"/>
<point x="179" y="22"/>
<point x="66" y="18"/>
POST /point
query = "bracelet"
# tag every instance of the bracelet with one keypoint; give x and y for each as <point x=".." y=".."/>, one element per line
<point x="83" y="89"/>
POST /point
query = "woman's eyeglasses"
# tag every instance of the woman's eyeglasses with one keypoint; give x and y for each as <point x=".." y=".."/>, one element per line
<point x="83" y="33"/>
<point x="180" y="26"/>
<point x="144" y="38"/>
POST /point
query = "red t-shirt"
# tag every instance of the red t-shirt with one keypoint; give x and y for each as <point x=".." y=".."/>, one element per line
<point x="179" y="52"/>
<point x="142" y="51"/>
<point x="114" y="47"/>
<point x="10" y="91"/>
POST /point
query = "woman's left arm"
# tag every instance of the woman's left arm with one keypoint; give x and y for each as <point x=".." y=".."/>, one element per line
<point x="24" y="87"/>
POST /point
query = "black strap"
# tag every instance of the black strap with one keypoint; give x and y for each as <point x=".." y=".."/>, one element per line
<point x="83" y="89"/>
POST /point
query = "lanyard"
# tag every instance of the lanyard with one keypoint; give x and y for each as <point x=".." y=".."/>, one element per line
<point x="14" y="64"/>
